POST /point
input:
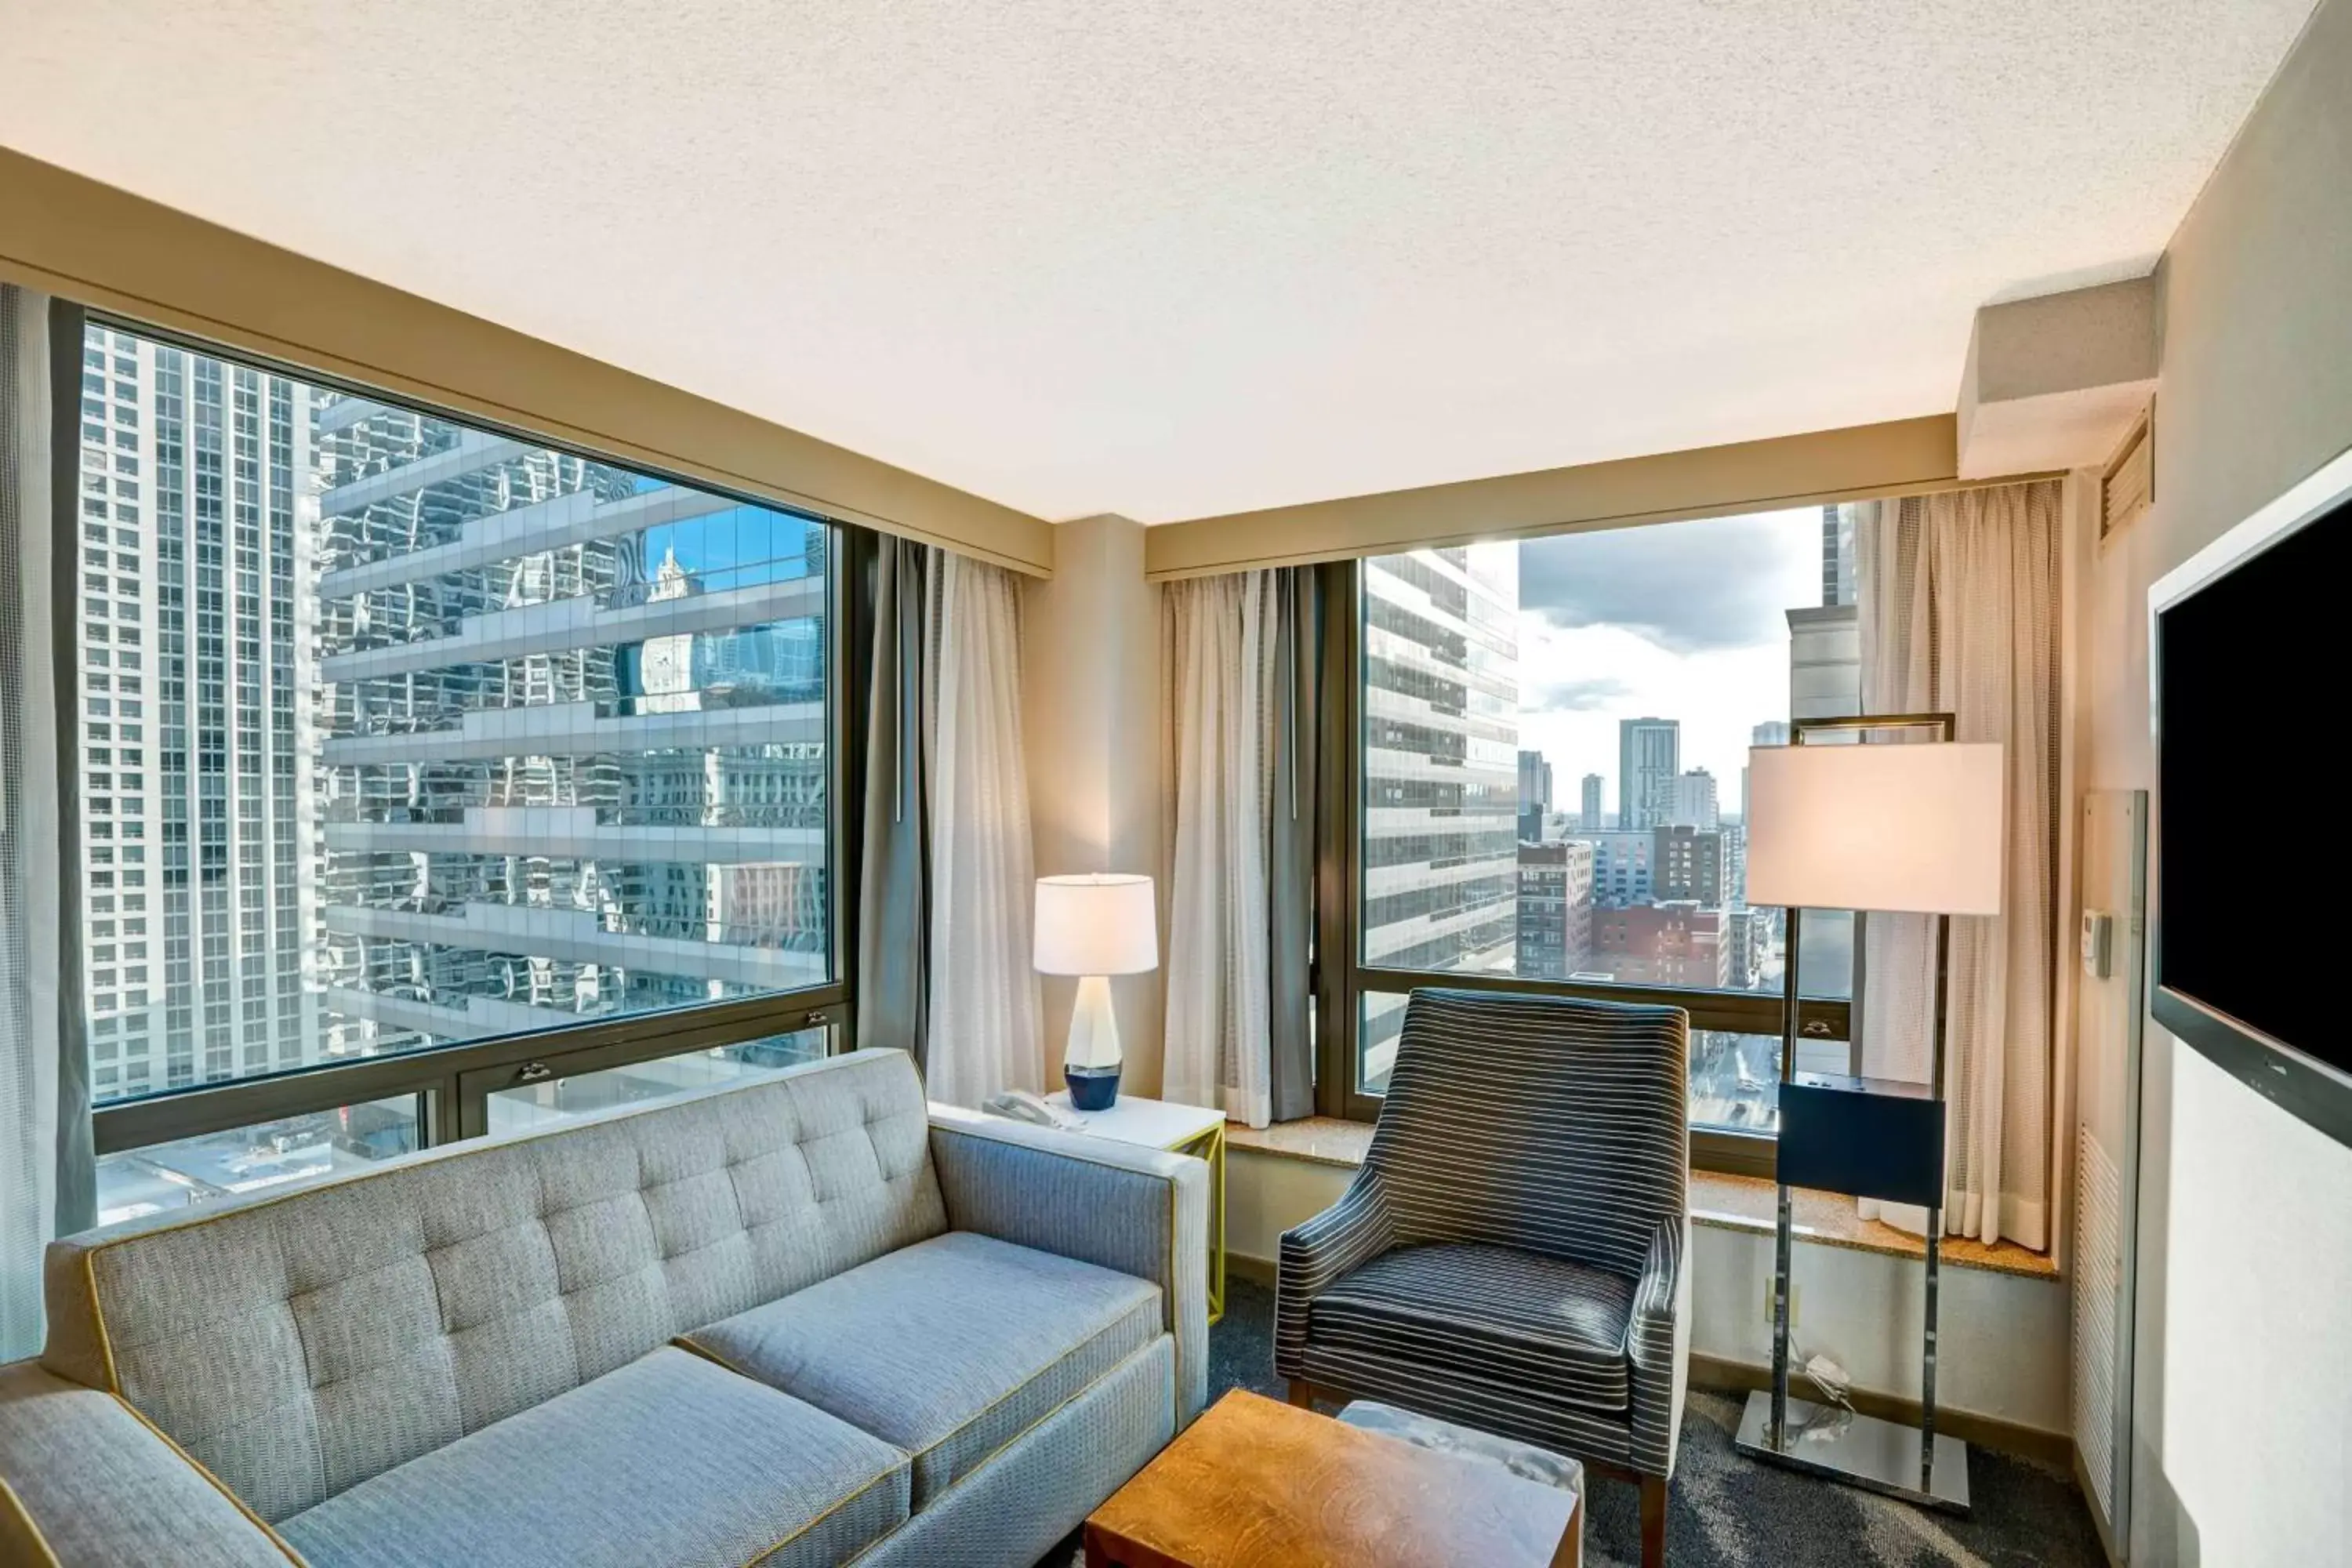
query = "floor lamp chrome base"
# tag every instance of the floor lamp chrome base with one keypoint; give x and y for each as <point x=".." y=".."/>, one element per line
<point x="1861" y="1450"/>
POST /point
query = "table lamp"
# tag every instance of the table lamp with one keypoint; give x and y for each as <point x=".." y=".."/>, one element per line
<point x="1095" y="926"/>
<point x="1914" y="829"/>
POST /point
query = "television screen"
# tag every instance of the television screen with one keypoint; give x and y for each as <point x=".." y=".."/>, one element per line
<point x="2247" y="718"/>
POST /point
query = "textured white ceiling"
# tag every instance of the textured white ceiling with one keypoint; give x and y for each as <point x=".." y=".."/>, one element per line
<point x="1196" y="256"/>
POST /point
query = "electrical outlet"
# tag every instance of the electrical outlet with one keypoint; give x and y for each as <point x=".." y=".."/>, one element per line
<point x="1796" y="1297"/>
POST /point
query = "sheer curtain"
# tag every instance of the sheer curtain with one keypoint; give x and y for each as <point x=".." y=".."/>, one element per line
<point x="1959" y="613"/>
<point x="1222" y="638"/>
<point x="44" y="1107"/>
<point x="985" y="1021"/>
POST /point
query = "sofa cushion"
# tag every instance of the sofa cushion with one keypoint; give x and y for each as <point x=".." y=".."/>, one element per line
<point x="297" y="1344"/>
<point x="949" y="1349"/>
<point x="668" y="1460"/>
<point x="1537" y="1322"/>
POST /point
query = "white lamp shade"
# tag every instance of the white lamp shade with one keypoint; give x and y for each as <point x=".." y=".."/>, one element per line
<point x="1106" y="923"/>
<point x="1912" y="828"/>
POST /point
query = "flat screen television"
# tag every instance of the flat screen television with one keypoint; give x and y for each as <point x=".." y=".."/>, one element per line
<point x="2251" y="649"/>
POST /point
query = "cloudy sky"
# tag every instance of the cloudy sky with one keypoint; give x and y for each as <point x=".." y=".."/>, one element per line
<point x="1683" y="621"/>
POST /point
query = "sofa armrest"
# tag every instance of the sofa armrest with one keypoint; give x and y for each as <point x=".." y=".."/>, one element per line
<point x="1143" y="1212"/>
<point x="1657" y="1347"/>
<point x="1314" y="1255"/>
<point x="93" y="1486"/>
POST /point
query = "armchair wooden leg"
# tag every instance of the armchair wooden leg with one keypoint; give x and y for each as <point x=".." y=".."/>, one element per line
<point x="1302" y="1393"/>
<point x="1654" y="1521"/>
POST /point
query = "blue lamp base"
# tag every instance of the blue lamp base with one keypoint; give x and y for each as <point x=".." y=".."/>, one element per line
<point x="1092" y="1088"/>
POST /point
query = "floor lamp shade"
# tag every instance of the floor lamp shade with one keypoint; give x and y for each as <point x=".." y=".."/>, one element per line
<point x="1907" y="828"/>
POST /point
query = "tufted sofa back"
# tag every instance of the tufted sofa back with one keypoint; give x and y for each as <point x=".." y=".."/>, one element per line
<point x="296" y="1345"/>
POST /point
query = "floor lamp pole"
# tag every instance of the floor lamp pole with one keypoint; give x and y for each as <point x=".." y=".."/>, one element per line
<point x="1785" y="1228"/>
<point x="1935" y="1226"/>
<point x="1846" y="1115"/>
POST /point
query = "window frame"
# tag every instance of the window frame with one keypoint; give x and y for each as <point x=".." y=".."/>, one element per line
<point x="1342" y="978"/>
<point x="452" y="1082"/>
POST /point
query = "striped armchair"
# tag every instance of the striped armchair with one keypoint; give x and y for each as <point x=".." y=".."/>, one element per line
<point x="1510" y="1256"/>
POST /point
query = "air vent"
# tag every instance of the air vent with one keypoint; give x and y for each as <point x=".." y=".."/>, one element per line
<point x="2129" y="483"/>
<point x="2099" y="1305"/>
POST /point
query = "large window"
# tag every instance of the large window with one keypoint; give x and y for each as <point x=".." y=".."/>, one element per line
<point x="399" y="734"/>
<point x="1549" y="779"/>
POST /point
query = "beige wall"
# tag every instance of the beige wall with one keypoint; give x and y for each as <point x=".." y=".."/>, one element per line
<point x="2003" y="1337"/>
<point x="1090" y="711"/>
<point x="2243" y="1428"/>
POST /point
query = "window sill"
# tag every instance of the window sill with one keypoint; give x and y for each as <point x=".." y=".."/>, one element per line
<point x="1725" y="1202"/>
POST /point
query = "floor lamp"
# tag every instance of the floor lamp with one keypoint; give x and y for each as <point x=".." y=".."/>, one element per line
<point x="1911" y="829"/>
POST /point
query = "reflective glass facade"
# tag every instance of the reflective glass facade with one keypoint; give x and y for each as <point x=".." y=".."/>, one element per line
<point x="400" y="732"/>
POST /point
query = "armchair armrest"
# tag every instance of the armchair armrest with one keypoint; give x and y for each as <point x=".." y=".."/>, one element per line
<point x="1343" y="1237"/>
<point x="1143" y="1212"/>
<point x="1657" y="1347"/>
<point x="86" y="1483"/>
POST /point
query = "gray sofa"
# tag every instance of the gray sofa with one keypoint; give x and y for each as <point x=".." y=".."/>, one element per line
<point x="810" y="1321"/>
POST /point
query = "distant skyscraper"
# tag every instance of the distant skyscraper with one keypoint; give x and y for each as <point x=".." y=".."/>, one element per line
<point x="1589" y="818"/>
<point x="1535" y="781"/>
<point x="1534" y="794"/>
<point x="1694" y="801"/>
<point x="1649" y="759"/>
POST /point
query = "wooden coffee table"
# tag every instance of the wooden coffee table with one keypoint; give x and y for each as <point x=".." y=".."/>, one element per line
<point x="1258" y="1484"/>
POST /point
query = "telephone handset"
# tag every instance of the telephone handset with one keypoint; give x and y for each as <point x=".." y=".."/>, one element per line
<point x="1021" y="1105"/>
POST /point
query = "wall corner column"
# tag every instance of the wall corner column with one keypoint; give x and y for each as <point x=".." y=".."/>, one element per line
<point x="1091" y="703"/>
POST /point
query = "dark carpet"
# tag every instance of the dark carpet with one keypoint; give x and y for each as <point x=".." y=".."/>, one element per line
<point x="1729" y="1512"/>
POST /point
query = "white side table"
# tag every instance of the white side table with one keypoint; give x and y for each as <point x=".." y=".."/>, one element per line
<point x="1182" y="1129"/>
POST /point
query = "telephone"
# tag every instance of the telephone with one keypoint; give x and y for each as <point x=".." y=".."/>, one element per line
<point x="1023" y="1106"/>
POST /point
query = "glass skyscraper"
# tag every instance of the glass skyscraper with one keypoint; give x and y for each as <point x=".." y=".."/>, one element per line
<point x="398" y="732"/>
<point x="571" y="752"/>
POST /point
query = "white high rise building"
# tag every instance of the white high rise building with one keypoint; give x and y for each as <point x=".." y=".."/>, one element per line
<point x="196" y="684"/>
<point x="1695" y="801"/>
<point x="1649" y="760"/>
<point x="1441" y="770"/>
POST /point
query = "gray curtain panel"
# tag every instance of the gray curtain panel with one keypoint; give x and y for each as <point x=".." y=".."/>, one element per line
<point x="1290" y="851"/>
<point x="46" y="1171"/>
<point x="61" y="753"/>
<point x="894" y="912"/>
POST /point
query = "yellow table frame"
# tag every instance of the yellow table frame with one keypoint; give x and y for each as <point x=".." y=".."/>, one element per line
<point x="1211" y="1146"/>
